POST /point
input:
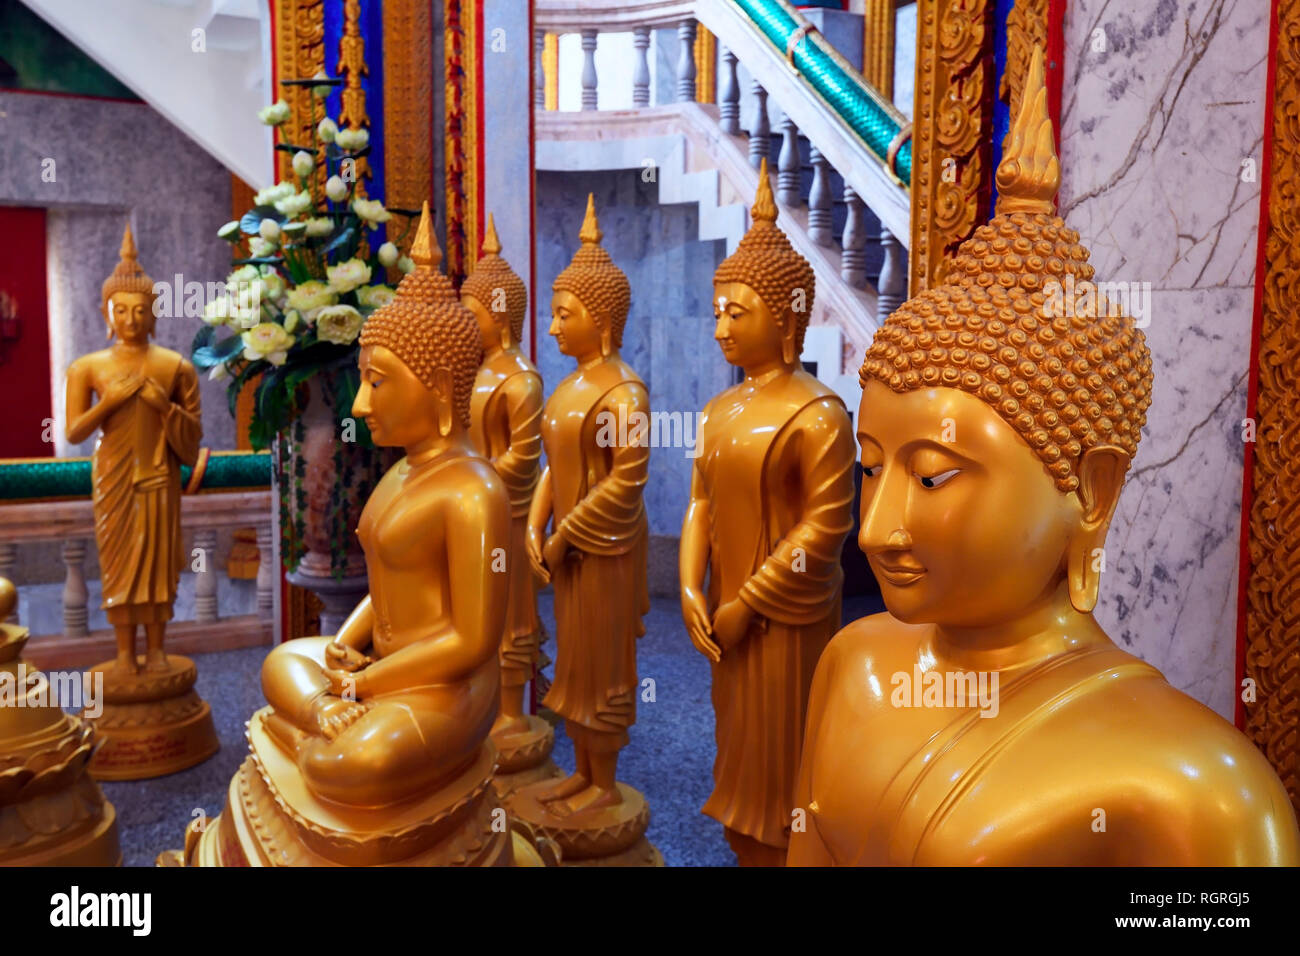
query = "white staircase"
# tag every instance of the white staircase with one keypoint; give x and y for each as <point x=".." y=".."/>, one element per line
<point x="203" y="64"/>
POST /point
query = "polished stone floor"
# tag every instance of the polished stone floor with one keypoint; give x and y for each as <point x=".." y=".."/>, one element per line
<point x="670" y="758"/>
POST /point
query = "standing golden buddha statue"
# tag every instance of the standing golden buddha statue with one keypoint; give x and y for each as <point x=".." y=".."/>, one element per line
<point x="987" y="718"/>
<point x="374" y="747"/>
<point x="591" y="493"/>
<point x="771" y="503"/>
<point x="148" y="417"/>
<point x="505" y="425"/>
<point x="51" y="812"/>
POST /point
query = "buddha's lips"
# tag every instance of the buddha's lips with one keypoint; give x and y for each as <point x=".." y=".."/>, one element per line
<point x="900" y="574"/>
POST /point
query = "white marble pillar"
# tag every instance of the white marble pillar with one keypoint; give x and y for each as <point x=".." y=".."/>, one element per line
<point x="1163" y="107"/>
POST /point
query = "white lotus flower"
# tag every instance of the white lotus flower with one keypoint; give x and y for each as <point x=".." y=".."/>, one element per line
<point x="346" y="276"/>
<point x="303" y="163"/>
<point x="269" y="341"/>
<point x="375" y="296"/>
<point x="406" y="264"/>
<point x="310" y="297"/>
<point x="372" y="211"/>
<point x="269" y="230"/>
<point x="340" y="324"/>
<point x="351" y="140"/>
<point x="322" y="226"/>
<point x="388" y="255"/>
<point x="230" y="231"/>
<point x="295" y="205"/>
<point x="272" y="194"/>
<point x="326" y="130"/>
<point x="336" y="189"/>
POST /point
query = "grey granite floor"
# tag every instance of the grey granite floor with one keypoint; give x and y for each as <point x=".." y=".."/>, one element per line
<point x="670" y="758"/>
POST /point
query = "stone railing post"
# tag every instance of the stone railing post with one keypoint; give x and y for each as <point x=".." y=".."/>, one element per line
<point x="205" y="575"/>
<point x="686" y="62"/>
<point x="853" y="258"/>
<point x="760" y="137"/>
<point x="788" y="164"/>
<point x="891" y="290"/>
<point x="820" y="199"/>
<point x="641" y="69"/>
<point x="729" y="95"/>
<point x="75" y="595"/>
<point x="539" y="70"/>
<point x="589" y="69"/>
<point x="265" y="571"/>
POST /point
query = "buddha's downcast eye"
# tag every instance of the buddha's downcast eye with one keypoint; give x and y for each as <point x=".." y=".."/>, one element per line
<point x="934" y="481"/>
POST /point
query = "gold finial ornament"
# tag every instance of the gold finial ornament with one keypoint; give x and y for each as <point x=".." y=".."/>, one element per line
<point x="128" y="275"/>
<point x="996" y="430"/>
<point x="1029" y="174"/>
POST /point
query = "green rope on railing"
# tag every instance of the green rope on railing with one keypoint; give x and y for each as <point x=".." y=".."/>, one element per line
<point x="875" y="121"/>
<point x="39" y="479"/>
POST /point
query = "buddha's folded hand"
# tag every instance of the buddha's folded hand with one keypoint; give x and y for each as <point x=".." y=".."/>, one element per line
<point x="334" y="715"/>
<point x="344" y="657"/>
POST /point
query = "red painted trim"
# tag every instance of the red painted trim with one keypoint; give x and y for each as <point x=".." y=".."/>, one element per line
<point x="275" y="90"/>
<point x="532" y="184"/>
<point x="1252" y="390"/>
<point x="480" y="157"/>
<point x="76" y="96"/>
<point x="1055" y="52"/>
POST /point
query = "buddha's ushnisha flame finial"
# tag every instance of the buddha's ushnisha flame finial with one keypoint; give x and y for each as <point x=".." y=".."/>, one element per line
<point x="491" y="244"/>
<point x="764" y="208"/>
<point x="128" y="276"/>
<point x="424" y="250"/>
<point x="590" y="232"/>
<point x="1029" y="174"/>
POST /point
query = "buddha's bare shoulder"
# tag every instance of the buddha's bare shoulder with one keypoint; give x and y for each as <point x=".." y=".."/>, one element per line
<point x="875" y="642"/>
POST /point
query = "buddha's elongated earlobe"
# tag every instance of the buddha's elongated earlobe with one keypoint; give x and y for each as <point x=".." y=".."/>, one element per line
<point x="787" y="341"/>
<point x="606" y="340"/>
<point x="444" y="386"/>
<point x="1101" y="476"/>
<point x="503" y="329"/>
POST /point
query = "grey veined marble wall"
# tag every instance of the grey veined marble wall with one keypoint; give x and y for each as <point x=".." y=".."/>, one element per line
<point x="94" y="164"/>
<point x="669" y="334"/>
<point x="1162" y="132"/>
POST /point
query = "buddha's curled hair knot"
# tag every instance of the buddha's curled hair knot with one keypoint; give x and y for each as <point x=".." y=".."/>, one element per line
<point x="494" y="283"/>
<point x="427" y="327"/>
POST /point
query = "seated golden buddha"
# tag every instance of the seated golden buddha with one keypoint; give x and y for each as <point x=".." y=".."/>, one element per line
<point x="374" y="747"/>
<point x="987" y="718"/>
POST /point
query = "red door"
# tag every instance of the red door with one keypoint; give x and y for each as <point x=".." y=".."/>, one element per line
<point x="25" y="361"/>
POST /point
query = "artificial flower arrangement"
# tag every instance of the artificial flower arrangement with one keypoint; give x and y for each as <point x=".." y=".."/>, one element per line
<point x="305" y="281"/>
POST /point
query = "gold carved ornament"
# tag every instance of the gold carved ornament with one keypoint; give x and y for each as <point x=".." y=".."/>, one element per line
<point x="300" y="53"/>
<point x="952" y="133"/>
<point x="408" y="107"/>
<point x="1026" y="29"/>
<point x="1272" y="593"/>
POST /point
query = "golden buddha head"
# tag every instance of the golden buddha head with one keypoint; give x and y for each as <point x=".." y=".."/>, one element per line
<point x="419" y="354"/>
<point x="496" y="295"/>
<point x="127" y="296"/>
<point x="591" y="296"/>
<point x="996" y="434"/>
<point x="763" y="292"/>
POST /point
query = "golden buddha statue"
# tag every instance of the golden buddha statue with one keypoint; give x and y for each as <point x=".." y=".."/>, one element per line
<point x="51" y="812"/>
<point x="595" y="557"/>
<point x="987" y="718"/>
<point x="506" y="428"/>
<point x="148" y="417"/>
<point x="374" y="747"/>
<point x="771" y="503"/>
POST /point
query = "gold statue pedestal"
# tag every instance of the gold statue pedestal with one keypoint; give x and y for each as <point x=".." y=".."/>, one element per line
<point x="51" y="812"/>
<point x="272" y="819"/>
<point x="608" y="836"/>
<point x="524" y="758"/>
<point x="153" y="723"/>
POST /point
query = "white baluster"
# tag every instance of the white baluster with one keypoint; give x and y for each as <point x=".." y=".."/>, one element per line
<point x="787" y="164"/>
<point x="75" y="595"/>
<point x="8" y="558"/>
<point x="539" y="72"/>
<point x="760" y="137"/>
<point x="265" y="571"/>
<point x="891" y="290"/>
<point x="641" y="68"/>
<point x="588" y="69"/>
<point x="853" y="258"/>
<point x="205" y="575"/>
<point x="820" y="199"/>
<point x="686" y="62"/>
<point x="729" y="95"/>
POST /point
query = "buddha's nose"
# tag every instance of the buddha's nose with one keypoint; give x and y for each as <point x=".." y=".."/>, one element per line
<point x="555" y="325"/>
<point x="884" y="515"/>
